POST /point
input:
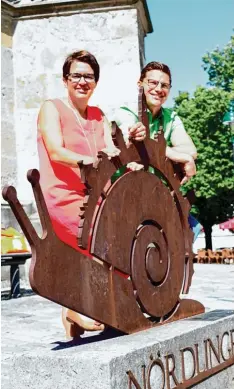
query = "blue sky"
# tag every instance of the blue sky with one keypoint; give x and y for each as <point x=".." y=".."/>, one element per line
<point x="184" y="30"/>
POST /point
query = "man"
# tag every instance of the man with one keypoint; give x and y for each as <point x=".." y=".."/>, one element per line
<point x="156" y="81"/>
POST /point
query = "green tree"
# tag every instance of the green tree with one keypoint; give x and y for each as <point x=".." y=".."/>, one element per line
<point x="219" y="65"/>
<point x="202" y="116"/>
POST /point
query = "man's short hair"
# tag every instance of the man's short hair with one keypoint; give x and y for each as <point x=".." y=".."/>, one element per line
<point x="155" y="66"/>
<point x="81" y="56"/>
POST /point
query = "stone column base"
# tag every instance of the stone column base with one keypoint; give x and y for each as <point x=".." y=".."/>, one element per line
<point x="196" y="352"/>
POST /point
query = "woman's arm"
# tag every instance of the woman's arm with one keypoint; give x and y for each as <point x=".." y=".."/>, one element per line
<point x="49" y="125"/>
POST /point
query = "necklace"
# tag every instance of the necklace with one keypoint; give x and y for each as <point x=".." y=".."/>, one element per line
<point x="84" y="131"/>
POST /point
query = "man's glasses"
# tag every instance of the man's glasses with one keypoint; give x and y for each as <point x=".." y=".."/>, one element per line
<point x="76" y="77"/>
<point x="152" y="84"/>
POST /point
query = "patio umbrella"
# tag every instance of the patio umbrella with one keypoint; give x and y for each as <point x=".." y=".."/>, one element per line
<point x="228" y="225"/>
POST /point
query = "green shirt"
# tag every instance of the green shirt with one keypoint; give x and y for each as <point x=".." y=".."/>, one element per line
<point x="126" y="118"/>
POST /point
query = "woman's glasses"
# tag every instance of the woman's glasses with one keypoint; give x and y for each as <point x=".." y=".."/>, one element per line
<point x="152" y="84"/>
<point x="76" y="77"/>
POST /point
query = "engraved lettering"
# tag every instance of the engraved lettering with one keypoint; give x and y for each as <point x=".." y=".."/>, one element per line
<point x="132" y="379"/>
<point x="156" y="362"/>
<point x="182" y="352"/>
<point x="206" y="355"/>
<point x="218" y="355"/>
<point x="232" y="341"/>
<point x="170" y="372"/>
<point x="222" y="349"/>
<point x="197" y="359"/>
<point x="214" y="350"/>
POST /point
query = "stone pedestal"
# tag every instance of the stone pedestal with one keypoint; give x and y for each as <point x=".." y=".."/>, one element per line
<point x="196" y="352"/>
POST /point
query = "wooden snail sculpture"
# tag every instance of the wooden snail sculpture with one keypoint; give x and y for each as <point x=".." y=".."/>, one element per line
<point x="139" y="230"/>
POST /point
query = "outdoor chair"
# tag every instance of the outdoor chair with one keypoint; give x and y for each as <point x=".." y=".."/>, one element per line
<point x="213" y="256"/>
<point x="227" y="255"/>
<point x="202" y="256"/>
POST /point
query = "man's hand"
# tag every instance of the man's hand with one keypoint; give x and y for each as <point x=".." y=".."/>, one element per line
<point x="190" y="170"/>
<point x="137" y="132"/>
<point x="134" y="166"/>
<point x="187" y="161"/>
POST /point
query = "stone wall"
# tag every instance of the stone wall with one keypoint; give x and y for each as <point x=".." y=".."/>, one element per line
<point x="36" y="37"/>
<point x="40" y="46"/>
<point x="8" y="141"/>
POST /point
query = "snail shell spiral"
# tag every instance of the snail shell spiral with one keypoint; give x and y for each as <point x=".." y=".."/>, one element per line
<point x="138" y="231"/>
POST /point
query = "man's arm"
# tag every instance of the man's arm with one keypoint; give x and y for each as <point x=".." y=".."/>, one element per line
<point x="129" y="125"/>
<point x="181" y="141"/>
<point x="183" y="150"/>
<point x="178" y="156"/>
<point x="124" y="120"/>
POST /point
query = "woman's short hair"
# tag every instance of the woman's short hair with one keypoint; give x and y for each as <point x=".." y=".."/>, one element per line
<point x="81" y="56"/>
<point x="155" y="66"/>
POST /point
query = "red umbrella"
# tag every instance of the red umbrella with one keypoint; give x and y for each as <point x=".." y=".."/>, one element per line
<point x="228" y="225"/>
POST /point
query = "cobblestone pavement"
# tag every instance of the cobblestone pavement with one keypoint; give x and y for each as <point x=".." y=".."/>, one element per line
<point x="34" y="322"/>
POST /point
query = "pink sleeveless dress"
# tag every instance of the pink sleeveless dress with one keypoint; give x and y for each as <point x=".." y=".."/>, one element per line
<point x="61" y="185"/>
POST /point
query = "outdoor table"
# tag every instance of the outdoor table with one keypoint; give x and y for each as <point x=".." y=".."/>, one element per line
<point x="14" y="260"/>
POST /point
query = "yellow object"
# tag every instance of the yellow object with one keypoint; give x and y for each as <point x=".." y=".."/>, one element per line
<point x="13" y="241"/>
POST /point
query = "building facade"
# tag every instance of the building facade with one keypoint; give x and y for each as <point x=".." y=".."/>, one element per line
<point x="36" y="37"/>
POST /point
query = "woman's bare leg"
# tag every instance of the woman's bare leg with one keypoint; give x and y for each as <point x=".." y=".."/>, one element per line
<point x="75" y="325"/>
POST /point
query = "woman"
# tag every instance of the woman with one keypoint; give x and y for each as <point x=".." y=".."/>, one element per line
<point x="156" y="81"/>
<point x="70" y="132"/>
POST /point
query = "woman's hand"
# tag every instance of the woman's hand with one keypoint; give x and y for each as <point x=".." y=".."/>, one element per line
<point x="137" y="132"/>
<point x="111" y="151"/>
<point x="86" y="160"/>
